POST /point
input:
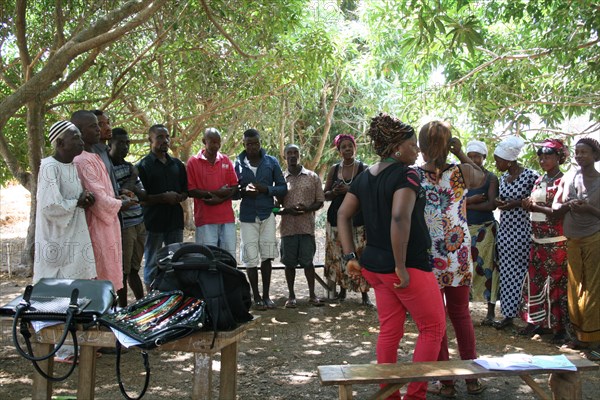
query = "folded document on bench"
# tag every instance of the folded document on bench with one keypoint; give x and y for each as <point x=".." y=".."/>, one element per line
<point x="513" y="362"/>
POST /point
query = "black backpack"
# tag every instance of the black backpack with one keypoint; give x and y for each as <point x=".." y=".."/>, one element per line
<point x="209" y="273"/>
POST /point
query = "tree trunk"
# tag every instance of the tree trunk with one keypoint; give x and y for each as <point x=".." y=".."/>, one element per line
<point x="35" y="127"/>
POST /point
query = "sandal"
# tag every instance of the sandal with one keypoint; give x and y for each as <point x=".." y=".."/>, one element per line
<point x="559" y="338"/>
<point x="291" y="303"/>
<point x="503" y="323"/>
<point x="367" y="303"/>
<point x="260" y="305"/>
<point x="575" y="345"/>
<point x="315" y="302"/>
<point x="269" y="304"/>
<point x="530" y="330"/>
<point x="442" y="390"/>
<point x="593" y="355"/>
<point x="67" y="360"/>
<point x="475" y="387"/>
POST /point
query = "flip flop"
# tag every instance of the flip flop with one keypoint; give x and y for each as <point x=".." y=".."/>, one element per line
<point x="291" y="303"/>
<point x="315" y="302"/>
<point x="67" y="360"/>
<point x="269" y="304"/>
<point x="593" y="355"/>
<point x="440" y="389"/>
<point x="475" y="387"/>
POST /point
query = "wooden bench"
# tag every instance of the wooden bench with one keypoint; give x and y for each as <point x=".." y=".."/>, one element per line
<point x="565" y="385"/>
<point x="198" y="343"/>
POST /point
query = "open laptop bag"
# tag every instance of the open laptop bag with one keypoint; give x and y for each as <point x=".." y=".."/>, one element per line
<point x="72" y="301"/>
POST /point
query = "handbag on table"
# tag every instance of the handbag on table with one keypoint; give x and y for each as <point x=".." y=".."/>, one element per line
<point x="155" y="319"/>
<point x="71" y="301"/>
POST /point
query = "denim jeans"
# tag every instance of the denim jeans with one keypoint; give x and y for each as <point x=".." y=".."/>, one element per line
<point x="155" y="241"/>
<point x="220" y="235"/>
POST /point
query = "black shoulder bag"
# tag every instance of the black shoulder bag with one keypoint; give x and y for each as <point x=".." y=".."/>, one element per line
<point x="208" y="273"/>
<point x="72" y="301"/>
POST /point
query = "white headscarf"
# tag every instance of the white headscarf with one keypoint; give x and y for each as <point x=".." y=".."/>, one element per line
<point x="509" y="148"/>
<point x="476" y="146"/>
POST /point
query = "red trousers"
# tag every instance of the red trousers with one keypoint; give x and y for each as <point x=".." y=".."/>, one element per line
<point x="423" y="300"/>
<point x="457" y="307"/>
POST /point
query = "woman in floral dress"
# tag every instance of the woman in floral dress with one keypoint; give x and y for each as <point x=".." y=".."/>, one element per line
<point x="445" y="188"/>
<point x="545" y="289"/>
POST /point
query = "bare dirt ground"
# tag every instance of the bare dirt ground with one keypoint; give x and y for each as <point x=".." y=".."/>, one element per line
<point x="278" y="359"/>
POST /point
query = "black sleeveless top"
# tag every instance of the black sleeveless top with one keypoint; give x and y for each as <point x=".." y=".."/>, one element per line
<point x="357" y="220"/>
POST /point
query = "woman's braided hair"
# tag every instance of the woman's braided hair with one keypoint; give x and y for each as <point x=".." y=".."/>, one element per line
<point x="593" y="143"/>
<point x="387" y="132"/>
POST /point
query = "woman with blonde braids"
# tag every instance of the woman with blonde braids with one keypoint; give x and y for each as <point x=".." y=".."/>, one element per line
<point x="445" y="188"/>
<point x="395" y="259"/>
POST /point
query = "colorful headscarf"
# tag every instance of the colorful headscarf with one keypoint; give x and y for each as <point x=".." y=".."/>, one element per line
<point x="341" y="137"/>
<point x="558" y="146"/>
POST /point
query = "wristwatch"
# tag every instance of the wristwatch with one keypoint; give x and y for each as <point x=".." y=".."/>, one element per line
<point x="349" y="256"/>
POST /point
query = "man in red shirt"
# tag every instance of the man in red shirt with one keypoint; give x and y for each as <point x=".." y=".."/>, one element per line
<point x="212" y="182"/>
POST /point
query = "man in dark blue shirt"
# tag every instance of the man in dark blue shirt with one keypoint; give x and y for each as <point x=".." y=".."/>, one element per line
<point x="260" y="179"/>
<point x="165" y="181"/>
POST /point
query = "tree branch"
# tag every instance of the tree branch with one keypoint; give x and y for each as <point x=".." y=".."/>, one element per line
<point x="59" y="38"/>
<point x="158" y="40"/>
<point x="60" y="86"/>
<point x="525" y="56"/>
<point x="9" y="82"/>
<point x="224" y="33"/>
<point x="21" y="33"/>
<point x="58" y="61"/>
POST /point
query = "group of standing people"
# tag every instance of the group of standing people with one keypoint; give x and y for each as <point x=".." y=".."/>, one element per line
<point x="420" y="220"/>
<point x="100" y="216"/>
<point x="424" y="238"/>
<point x="546" y="270"/>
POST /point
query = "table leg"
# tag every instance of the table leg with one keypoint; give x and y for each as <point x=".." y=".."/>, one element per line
<point x="42" y="388"/>
<point x="566" y="386"/>
<point x="228" y="376"/>
<point x="86" y="381"/>
<point x="202" y="384"/>
<point x="345" y="392"/>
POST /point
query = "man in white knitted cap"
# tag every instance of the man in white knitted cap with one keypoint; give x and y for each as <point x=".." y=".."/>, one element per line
<point x="63" y="248"/>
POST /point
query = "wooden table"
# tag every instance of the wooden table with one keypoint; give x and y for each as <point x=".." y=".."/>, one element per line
<point x="90" y="340"/>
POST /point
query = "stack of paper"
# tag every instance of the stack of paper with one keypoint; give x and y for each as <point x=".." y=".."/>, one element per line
<point x="517" y="361"/>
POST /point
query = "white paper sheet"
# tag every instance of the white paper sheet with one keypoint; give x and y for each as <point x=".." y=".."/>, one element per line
<point x="125" y="340"/>
<point x="513" y="362"/>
